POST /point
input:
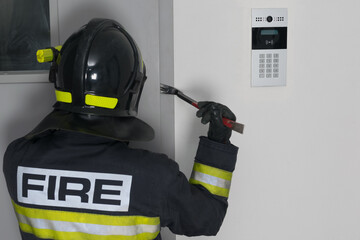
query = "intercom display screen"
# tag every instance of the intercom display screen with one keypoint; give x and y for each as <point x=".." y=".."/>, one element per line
<point x="267" y="32"/>
<point x="269" y="38"/>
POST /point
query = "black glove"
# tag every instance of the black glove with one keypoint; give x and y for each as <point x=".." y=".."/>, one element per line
<point x="214" y="112"/>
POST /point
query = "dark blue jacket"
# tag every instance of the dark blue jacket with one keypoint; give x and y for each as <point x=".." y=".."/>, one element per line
<point x="67" y="185"/>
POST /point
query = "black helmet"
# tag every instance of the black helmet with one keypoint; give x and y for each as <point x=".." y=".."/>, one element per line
<point x="100" y="78"/>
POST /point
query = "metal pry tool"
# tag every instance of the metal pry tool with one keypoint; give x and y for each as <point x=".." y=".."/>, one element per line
<point x="166" y="89"/>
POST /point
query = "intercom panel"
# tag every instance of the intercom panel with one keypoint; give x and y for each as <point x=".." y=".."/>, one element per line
<point x="269" y="46"/>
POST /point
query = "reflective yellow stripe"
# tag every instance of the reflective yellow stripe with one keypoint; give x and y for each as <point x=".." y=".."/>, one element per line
<point x="216" y="180"/>
<point x="55" y="224"/>
<point x="85" y="217"/>
<point x="216" y="172"/>
<point x="211" y="188"/>
<point x="63" y="96"/>
<point x="98" y="101"/>
<point x="57" y="235"/>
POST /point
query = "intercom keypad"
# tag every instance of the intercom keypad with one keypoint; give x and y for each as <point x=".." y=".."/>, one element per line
<point x="271" y="68"/>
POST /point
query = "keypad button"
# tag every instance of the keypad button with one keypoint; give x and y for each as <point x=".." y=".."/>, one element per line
<point x="261" y="70"/>
<point x="268" y="55"/>
<point x="276" y="60"/>
<point x="262" y="65"/>
<point x="268" y="70"/>
<point x="269" y="60"/>
<point x="261" y="60"/>
<point x="276" y="55"/>
<point x="275" y="65"/>
<point x="262" y="55"/>
<point x="275" y="75"/>
<point x="268" y="65"/>
<point x="268" y="75"/>
<point x="276" y="70"/>
<point x="261" y="75"/>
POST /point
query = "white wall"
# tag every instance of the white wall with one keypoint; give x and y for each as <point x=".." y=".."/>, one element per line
<point x="297" y="175"/>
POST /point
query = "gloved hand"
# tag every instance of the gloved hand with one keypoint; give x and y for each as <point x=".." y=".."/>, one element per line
<point x="213" y="112"/>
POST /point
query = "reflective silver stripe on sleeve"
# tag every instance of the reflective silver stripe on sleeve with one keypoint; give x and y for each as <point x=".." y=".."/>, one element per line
<point x="215" y="181"/>
<point x="95" y="229"/>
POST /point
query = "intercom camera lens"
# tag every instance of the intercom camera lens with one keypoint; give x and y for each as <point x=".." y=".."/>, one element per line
<point x="269" y="19"/>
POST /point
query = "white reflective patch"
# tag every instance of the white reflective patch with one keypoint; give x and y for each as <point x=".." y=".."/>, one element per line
<point x="95" y="229"/>
<point x="74" y="189"/>
<point x="215" y="181"/>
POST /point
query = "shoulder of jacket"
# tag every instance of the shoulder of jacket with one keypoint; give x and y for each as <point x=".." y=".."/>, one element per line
<point x="159" y="160"/>
<point x="14" y="147"/>
<point x="17" y="143"/>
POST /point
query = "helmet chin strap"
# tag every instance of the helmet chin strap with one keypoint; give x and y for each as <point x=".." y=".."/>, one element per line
<point x="54" y="65"/>
<point x="137" y="89"/>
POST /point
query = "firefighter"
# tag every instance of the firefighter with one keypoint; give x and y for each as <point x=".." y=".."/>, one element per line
<point x="75" y="177"/>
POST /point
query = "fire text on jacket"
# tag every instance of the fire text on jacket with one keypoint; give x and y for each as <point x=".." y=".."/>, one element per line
<point x="73" y="189"/>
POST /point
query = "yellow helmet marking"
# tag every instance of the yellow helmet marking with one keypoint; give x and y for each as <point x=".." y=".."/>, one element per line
<point x="63" y="96"/>
<point x="99" y="101"/>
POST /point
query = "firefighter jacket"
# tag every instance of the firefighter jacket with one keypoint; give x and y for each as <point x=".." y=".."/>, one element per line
<point x="67" y="185"/>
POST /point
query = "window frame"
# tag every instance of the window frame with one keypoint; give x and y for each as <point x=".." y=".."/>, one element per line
<point x="36" y="76"/>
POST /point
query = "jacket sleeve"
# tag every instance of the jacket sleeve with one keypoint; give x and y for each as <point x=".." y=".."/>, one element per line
<point x="198" y="206"/>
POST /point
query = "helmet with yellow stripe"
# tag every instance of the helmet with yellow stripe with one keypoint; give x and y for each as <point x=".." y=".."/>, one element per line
<point x="98" y="85"/>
